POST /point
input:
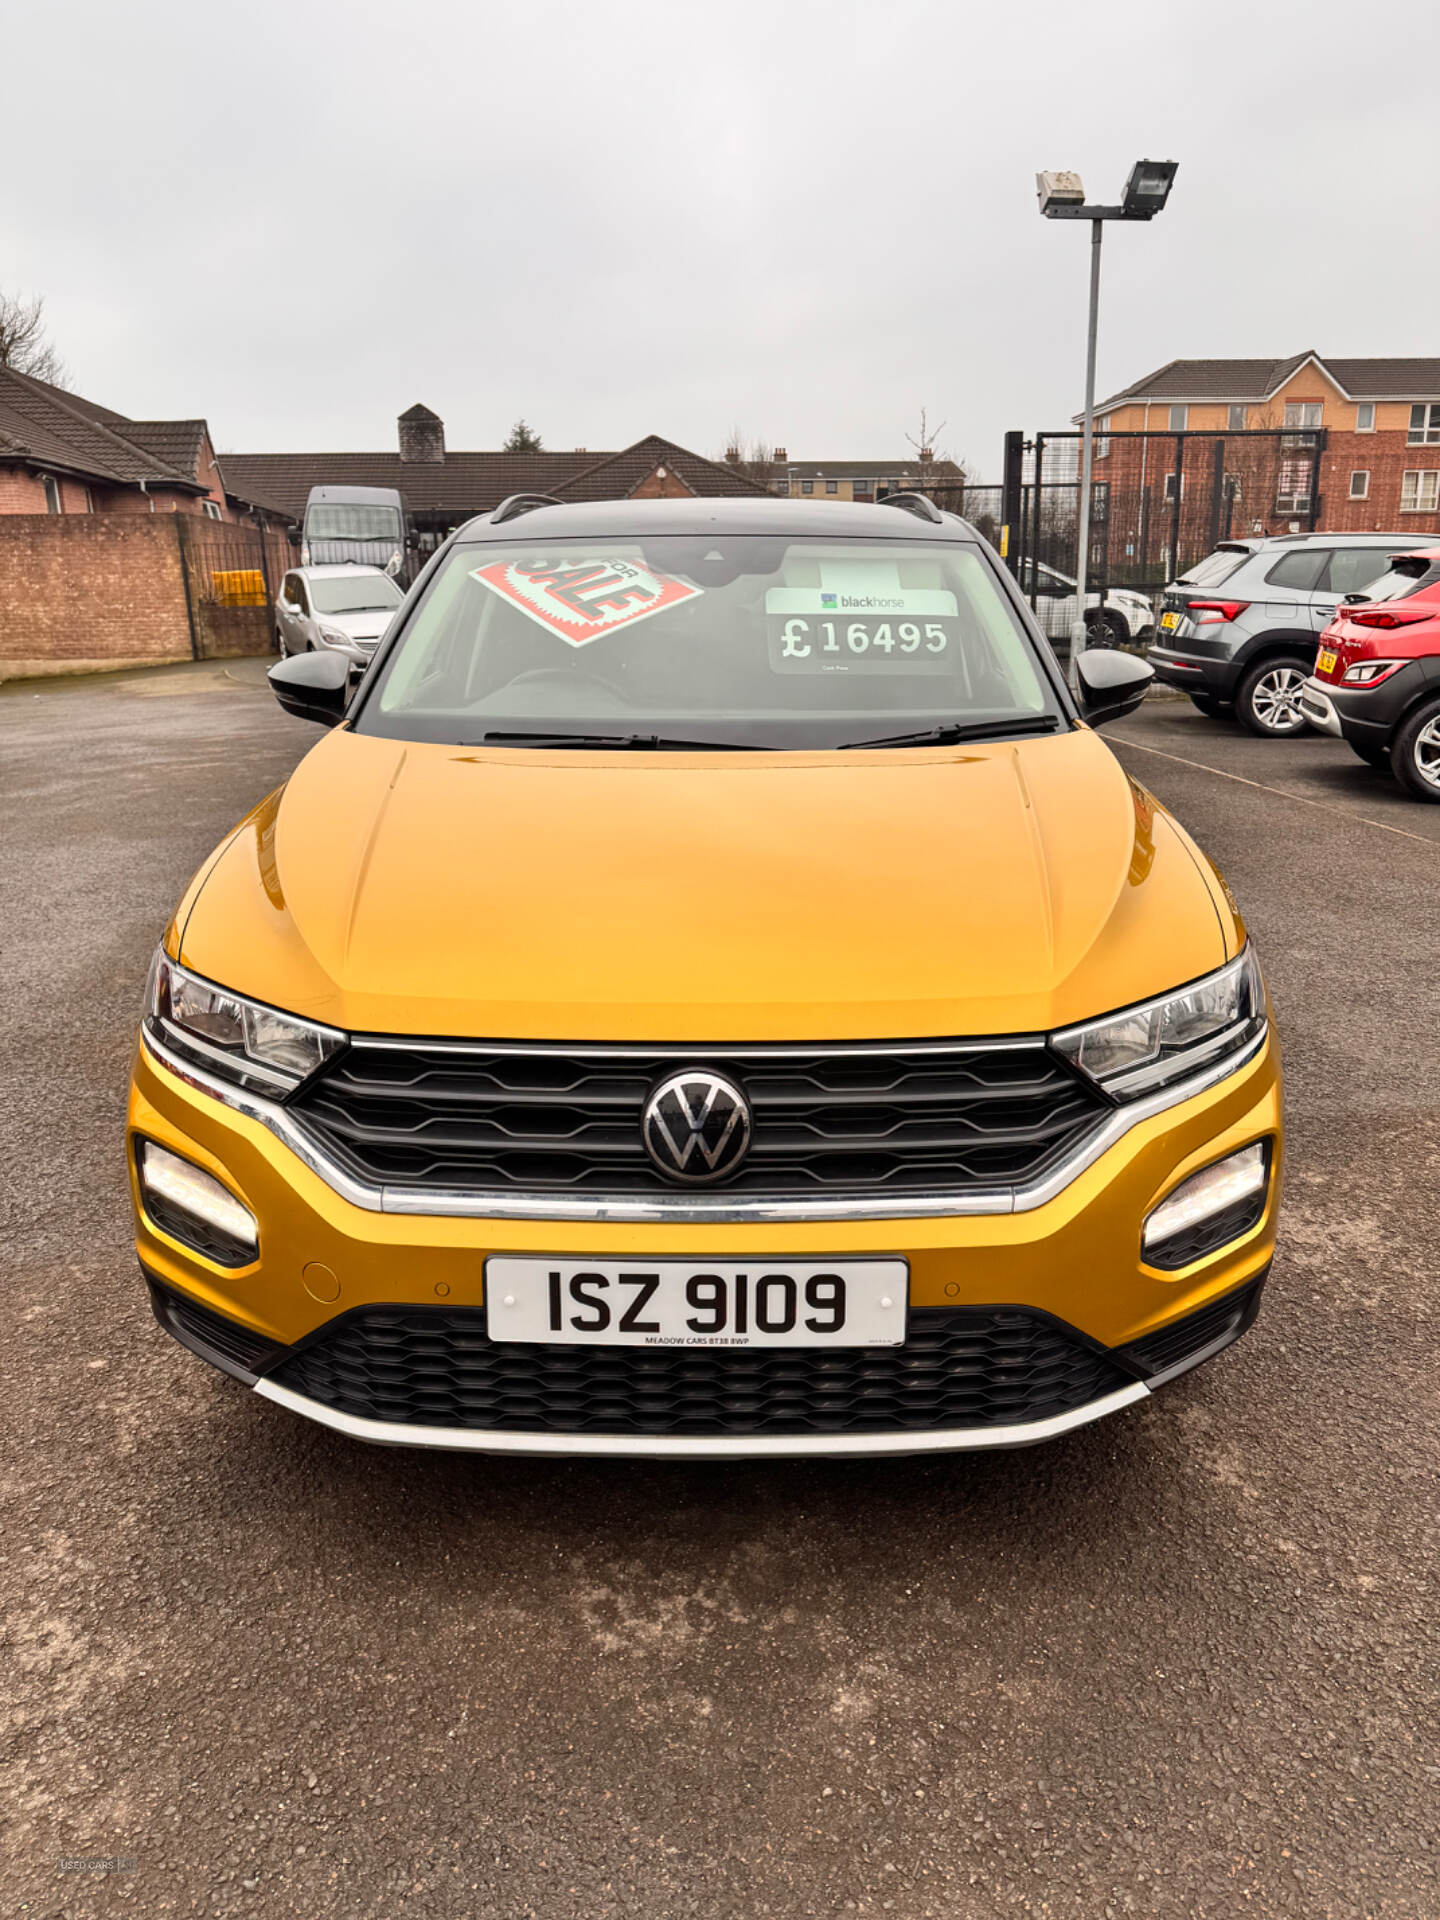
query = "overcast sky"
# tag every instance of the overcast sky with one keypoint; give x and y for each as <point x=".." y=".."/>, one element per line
<point x="806" y="217"/>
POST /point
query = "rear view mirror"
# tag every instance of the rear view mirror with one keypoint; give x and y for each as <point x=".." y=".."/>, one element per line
<point x="313" y="686"/>
<point x="1112" y="684"/>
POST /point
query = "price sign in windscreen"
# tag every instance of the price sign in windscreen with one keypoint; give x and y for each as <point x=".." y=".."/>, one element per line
<point x="862" y="618"/>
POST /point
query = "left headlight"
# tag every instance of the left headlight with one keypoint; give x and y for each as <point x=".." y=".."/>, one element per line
<point x="1132" y="1053"/>
<point x="237" y="1039"/>
<point x="334" y="636"/>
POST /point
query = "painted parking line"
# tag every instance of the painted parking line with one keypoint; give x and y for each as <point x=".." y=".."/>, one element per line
<point x="1282" y="793"/>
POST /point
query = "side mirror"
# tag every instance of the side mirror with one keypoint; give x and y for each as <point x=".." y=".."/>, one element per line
<point x="1112" y="684"/>
<point x="313" y="686"/>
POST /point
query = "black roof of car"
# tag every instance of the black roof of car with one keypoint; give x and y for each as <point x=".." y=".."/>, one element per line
<point x="802" y="519"/>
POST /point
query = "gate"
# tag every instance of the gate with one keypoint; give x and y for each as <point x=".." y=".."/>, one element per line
<point x="1159" y="502"/>
<point x="232" y="573"/>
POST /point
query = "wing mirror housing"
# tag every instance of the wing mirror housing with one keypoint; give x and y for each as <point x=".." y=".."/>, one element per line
<point x="1112" y="683"/>
<point x="313" y="686"/>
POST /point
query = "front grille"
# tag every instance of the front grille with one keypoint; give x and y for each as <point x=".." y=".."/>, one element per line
<point x="827" y="1120"/>
<point x="960" y="1367"/>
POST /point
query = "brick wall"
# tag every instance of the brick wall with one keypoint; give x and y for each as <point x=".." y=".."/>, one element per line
<point x="85" y="591"/>
<point x="1385" y="457"/>
<point x="21" y="491"/>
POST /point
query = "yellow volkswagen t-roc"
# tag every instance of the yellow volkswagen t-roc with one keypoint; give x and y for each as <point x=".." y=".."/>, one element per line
<point x="711" y="993"/>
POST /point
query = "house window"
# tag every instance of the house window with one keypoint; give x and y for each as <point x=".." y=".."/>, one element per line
<point x="1420" y="492"/>
<point x="1170" y="486"/>
<point x="782" y="486"/>
<point x="1303" y="413"/>
<point x="832" y="486"/>
<point x="1365" y="417"/>
<point x="1179" y="419"/>
<point x="1236" y="422"/>
<point x="53" y="502"/>
<point x="1360" y="484"/>
<point x="1292" y="493"/>
<point x="210" y="510"/>
<point x="807" y="486"/>
<point x="859" y="487"/>
<point x="1425" y="425"/>
<point x="1102" y="445"/>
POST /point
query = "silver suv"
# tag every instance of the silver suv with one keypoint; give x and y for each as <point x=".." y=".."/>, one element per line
<point x="1238" y="632"/>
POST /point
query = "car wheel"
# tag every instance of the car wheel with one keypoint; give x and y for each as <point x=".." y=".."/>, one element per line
<point x="1107" y="630"/>
<point x="280" y="646"/>
<point x="1212" y="709"/>
<point x="1415" y="754"/>
<point x="1268" y="702"/>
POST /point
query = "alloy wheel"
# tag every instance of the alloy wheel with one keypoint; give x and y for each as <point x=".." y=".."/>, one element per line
<point x="1426" y="753"/>
<point x="1276" y="700"/>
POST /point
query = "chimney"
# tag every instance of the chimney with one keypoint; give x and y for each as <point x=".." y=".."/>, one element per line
<point x="732" y="456"/>
<point x="422" y="437"/>
<point x="781" y="455"/>
<point x="927" y="454"/>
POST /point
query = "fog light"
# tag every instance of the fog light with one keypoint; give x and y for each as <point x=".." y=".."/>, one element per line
<point x="1213" y="1206"/>
<point x="190" y="1204"/>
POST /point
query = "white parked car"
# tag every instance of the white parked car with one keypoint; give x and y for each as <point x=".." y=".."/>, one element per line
<point x="338" y="609"/>
<point x="1127" y="615"/>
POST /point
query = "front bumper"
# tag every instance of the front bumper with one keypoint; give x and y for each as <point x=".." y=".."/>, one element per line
<point x="1068" y="1266"/>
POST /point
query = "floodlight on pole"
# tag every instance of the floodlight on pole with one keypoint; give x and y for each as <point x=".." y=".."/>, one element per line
<point x="1062" y="197"/>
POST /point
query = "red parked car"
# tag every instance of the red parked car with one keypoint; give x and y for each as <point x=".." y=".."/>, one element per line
<point x="1377" y="673"/>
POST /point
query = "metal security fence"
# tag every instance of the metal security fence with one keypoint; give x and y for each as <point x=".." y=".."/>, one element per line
<point x="232" y="573"/>
<point x="1159" y="503"/>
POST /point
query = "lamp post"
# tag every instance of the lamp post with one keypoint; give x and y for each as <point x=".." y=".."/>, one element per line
<point x="1062" y="197"/>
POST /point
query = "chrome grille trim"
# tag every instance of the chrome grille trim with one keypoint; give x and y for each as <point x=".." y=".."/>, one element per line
<point x="690" y="1208"/>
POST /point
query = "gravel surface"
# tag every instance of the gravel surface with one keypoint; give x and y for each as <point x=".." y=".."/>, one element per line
<point x="1181" y="1663"/>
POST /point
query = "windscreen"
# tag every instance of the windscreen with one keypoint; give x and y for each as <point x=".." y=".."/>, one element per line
<point x="756" y="641"/>
<point x="359" y="593"/>
<point x="339" y="522"/>
<point x="1214" y="568"/>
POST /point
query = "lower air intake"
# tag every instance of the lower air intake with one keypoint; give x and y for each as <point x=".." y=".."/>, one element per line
<point x="961" y="1367"/>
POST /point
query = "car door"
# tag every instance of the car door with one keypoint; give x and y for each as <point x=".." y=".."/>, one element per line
<point x="1055" y="603"/>
<point x="1350" y="570"/>
<point x="287" y="614"/>
<point x="303" y="616"/>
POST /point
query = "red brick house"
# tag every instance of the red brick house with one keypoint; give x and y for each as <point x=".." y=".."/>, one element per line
<point x="1379" y="467"/>
<point x="61" y="454"/>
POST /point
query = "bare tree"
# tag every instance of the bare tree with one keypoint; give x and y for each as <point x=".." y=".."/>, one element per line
<point x="750" y="455"/>
<point x="925" y="444"/>
<point x="25" y="343"/>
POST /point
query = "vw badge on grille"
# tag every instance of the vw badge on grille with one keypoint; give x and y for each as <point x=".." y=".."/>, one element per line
<point x="696" y="1126"/>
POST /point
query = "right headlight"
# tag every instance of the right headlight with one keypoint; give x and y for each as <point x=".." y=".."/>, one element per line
<point x="1132" y="1053"/>
<point x="240" y="1040"/>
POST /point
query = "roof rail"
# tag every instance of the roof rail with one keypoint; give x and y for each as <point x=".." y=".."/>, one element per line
<point x="920" y="504"/>
<point x="517" y="503"/>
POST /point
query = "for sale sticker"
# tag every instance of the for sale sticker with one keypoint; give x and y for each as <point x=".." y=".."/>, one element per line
<point x="580" y="599"/>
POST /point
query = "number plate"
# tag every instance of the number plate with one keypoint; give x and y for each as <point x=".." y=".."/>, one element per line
<point x="1169" y="622"/>
<point x="674" y="1303"/>
<point x="1325" y="662"/>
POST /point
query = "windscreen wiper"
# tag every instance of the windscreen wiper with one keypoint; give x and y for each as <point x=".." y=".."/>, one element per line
<point x="953" y="730"/>
<point x="635" y="742"/>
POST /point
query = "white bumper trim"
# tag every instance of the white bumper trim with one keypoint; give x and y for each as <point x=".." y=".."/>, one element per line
<point x="666" y="1446"/>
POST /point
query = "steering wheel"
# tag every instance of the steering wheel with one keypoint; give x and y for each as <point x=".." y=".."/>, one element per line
<point x="567" y="676"/>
